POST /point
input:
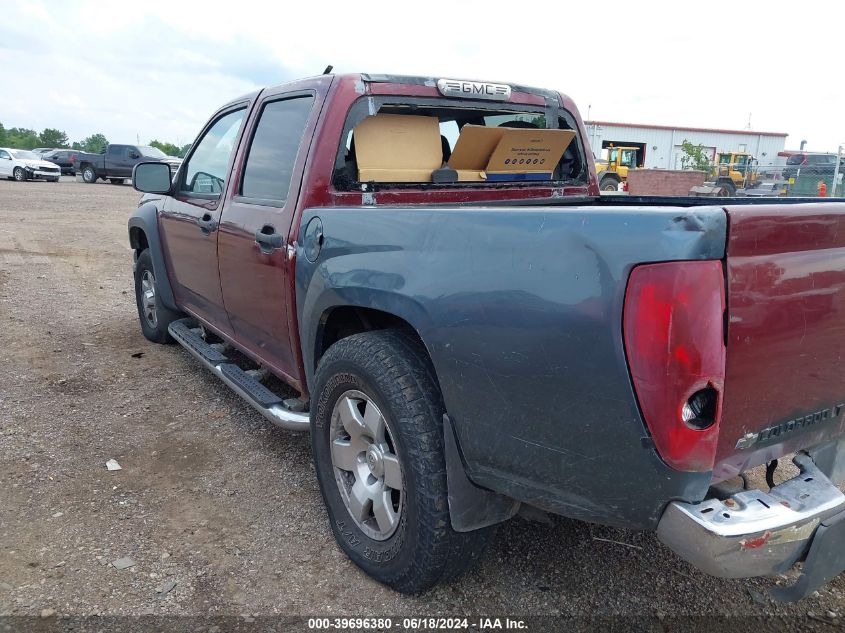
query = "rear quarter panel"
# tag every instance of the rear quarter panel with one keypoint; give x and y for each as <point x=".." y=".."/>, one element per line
<point x="521" y="312"/>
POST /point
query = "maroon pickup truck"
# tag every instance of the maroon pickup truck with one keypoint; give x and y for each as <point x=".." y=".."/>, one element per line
<point x="420" y="272"/>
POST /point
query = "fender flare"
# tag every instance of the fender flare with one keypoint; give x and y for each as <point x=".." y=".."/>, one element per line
<point x="145" y="222"/>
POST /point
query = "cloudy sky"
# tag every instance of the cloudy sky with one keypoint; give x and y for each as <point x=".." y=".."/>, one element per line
<point x="157" y="69"/>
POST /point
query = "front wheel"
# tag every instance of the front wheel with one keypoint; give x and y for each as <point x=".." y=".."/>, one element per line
<point x="377" y="440"/>
<point x="153" y="315"/>
<point x="89" y="175"/>
<point x="19" y="174"/>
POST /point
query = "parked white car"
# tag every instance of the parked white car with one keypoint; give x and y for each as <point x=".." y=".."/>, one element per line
<point x="22" y="164"/>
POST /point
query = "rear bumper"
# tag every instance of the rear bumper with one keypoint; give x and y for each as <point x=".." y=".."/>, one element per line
<point x="755" y="533"/>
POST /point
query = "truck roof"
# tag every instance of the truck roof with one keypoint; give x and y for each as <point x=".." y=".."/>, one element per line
<point x="411" y="80"/>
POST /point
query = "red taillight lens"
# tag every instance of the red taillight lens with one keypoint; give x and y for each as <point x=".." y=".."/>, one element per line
<point x="674" y="340"/>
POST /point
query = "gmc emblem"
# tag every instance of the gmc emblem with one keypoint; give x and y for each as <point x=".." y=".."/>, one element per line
<point x="473" y="89"/>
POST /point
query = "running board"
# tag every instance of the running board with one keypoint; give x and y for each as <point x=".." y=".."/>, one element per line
<point x="279" y="411"/>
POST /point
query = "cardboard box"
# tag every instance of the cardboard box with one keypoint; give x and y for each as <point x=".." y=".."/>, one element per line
<point x="508" y="154"/>
<point x="473" y="149"/>
<point x="526" y="154"/>
<point x="397" y="148"/>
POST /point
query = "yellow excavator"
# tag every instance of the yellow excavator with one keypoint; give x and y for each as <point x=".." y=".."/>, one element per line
<point x="614" y="170"/>
<point x="734" y="170"/>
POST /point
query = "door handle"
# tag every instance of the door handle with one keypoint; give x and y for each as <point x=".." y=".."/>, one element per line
<point x="268" y="240"/>
<point x="207" y="223"/>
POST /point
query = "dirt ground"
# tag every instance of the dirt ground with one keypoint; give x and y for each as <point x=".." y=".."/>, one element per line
<point x="220" y="511"/>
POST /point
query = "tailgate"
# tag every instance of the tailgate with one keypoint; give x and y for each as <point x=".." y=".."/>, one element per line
<point x="785" y="374"/>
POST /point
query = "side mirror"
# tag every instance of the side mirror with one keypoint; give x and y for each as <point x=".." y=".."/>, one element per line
<point x="151" y="178"/>
<point x="133" y="156"/>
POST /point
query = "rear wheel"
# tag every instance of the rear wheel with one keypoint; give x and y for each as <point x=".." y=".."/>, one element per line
<point x="609" y="184"/>
<point x="377" y="439"/>
<point x="153" y="315"/>
<point x="89" y="175"/>
<point x="19" y="174"/>
<point x="727" y="189"/>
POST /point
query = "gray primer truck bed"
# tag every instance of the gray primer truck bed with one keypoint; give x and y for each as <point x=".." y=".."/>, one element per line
<point x="520" y="309"/>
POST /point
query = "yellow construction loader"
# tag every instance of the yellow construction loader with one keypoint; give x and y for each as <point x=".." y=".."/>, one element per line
<point x="734" y="170"/>
<point x="614" y="170"/>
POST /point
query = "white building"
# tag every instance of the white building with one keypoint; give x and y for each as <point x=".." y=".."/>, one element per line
<point x="660" y="145"/>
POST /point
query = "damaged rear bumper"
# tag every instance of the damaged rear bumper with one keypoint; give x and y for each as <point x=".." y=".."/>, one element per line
<point x="755" y="533"/>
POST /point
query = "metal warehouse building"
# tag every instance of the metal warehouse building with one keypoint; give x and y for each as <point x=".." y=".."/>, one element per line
<point x="660" y="145"/>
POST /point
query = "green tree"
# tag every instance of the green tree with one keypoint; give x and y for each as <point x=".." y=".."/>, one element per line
<point x="694" y="157"/>
<point x="96" y="143"/>
<point x="51" y="137"/>
<point x="21" y="138"/>
<point x="2" y="135"/>
<point x="76" y="145"/>
<point x="168" y="148"/>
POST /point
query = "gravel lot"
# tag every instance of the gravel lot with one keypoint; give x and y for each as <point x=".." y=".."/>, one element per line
<point x="220" y="511"/>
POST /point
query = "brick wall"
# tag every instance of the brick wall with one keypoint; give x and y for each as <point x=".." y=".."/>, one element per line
<point x="663" y="182"/>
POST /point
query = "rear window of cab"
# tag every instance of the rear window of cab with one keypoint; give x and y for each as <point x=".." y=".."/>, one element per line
<point x="431" y="129"/>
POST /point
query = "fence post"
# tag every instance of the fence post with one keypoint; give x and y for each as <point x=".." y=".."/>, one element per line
<point x="836" y="170"/>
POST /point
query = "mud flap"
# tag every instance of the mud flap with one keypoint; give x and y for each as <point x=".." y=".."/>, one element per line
<point x="470" y="507"/>
<point x="824" y="562"/>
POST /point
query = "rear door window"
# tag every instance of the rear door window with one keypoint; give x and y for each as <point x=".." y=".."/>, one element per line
<point x="274" y="147"/>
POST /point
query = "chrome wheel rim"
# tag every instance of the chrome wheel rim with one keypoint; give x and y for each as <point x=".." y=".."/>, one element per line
<point x="19" y="174"/>
<point x="148" y="298"/>
<point x="366" y="465"/>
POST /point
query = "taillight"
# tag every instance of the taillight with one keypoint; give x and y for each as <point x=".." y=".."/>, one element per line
<point x="675" y="344"/>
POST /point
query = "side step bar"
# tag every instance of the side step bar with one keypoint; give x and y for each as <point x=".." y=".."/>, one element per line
<point x="267" y="403"/>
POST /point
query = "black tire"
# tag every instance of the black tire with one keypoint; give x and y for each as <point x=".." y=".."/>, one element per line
<point x="154" y="330"/>
<point x="728" y="189"/>
<point x="19" y="174"/>
<point x="89" y="175"/>
<point x="54" y="180"/>
<point x="116" y="181"/>
<point x="392" y="370"/>
<point x="609" y="184"/>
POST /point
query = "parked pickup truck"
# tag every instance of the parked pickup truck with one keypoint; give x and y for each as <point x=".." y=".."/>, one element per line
<point x="116" y="162"/>
<point x="462" y="351"/>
